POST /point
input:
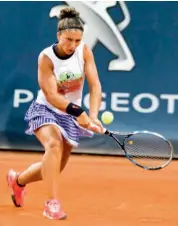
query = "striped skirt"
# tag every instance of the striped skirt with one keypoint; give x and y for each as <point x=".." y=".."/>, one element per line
<point x="38" y="115"/>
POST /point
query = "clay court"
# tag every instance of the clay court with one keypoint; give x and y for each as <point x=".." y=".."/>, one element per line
<point x="99" y="191"/>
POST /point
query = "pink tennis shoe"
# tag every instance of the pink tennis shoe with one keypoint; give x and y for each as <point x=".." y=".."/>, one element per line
<point x="53" y="210"/>
<point x="17" y="192"/>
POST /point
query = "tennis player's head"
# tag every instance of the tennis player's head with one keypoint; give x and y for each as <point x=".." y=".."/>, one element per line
<point x="69" y="30"/>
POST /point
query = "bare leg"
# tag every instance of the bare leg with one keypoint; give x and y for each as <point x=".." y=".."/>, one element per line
<point x="33" y="173"/>
<point x="65" y="155"/>
<point x="51" y="139"/>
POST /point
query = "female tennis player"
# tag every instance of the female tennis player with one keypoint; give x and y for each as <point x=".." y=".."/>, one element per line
<point x="56" y="117"/>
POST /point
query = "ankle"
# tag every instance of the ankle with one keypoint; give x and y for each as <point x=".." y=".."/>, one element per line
<point x="19" y="183"/>
<point x="52" y="200"/>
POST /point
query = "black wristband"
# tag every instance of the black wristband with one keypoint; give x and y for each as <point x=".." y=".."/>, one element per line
<point x="74" y="110"/>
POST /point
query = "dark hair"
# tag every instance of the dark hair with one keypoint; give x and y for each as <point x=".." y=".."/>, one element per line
<point x="69" y="18"/>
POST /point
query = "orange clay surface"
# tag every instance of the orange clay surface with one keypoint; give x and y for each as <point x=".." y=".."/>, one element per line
<point x="95" y="191"/>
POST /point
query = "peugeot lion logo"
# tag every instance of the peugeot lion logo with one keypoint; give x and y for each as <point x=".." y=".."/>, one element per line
<point x="105" y="30"/>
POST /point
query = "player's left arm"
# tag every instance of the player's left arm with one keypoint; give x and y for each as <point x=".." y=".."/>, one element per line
<point x="93" y="83"/>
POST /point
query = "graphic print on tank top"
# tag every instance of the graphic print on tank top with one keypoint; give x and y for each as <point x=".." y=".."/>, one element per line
<point x="69" y="81"/>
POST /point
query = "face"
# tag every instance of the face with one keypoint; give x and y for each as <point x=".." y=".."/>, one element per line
<point x="69" y="40"/>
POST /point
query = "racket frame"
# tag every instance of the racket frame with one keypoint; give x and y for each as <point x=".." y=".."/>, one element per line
<point x="128" y="134"/>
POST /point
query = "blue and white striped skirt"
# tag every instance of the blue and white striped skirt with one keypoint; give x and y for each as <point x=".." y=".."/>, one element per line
<point x="38" y="115"/>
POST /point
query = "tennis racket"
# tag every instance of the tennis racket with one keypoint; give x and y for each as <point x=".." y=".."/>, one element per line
<point x="148" y="150"/>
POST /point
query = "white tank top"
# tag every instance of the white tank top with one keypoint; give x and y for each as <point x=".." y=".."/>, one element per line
<point x="69" y="75"/>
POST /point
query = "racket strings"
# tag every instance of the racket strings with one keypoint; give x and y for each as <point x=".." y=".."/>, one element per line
<point x="147" y="149"/>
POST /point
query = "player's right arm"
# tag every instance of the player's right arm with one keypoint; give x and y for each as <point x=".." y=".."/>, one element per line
<point x="48" y="84"/>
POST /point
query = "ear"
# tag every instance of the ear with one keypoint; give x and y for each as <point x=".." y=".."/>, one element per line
<point x="58" y="35"/>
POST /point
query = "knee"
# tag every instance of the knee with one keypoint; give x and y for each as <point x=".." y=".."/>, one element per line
<point x="54" y="145"/>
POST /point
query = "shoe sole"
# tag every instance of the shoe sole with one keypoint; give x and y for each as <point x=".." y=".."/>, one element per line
<point x="12" y="196"/>
<point x="51" y="218"/>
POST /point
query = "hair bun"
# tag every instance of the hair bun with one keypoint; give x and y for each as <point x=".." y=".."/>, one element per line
<point x="68" y="12"/>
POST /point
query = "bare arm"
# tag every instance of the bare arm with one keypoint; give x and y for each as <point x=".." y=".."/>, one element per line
<point x="48" y="84"/>
<point x="93" y="82"/>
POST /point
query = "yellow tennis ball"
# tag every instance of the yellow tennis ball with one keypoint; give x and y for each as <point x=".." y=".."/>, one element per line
<point x="107" y="117"/>
<point x="130" y="142"/>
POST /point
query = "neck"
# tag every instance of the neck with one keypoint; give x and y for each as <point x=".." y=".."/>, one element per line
<point x="60" y="51"/>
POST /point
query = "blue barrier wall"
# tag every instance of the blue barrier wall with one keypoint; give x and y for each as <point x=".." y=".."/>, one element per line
<point x="136" y="52"/>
